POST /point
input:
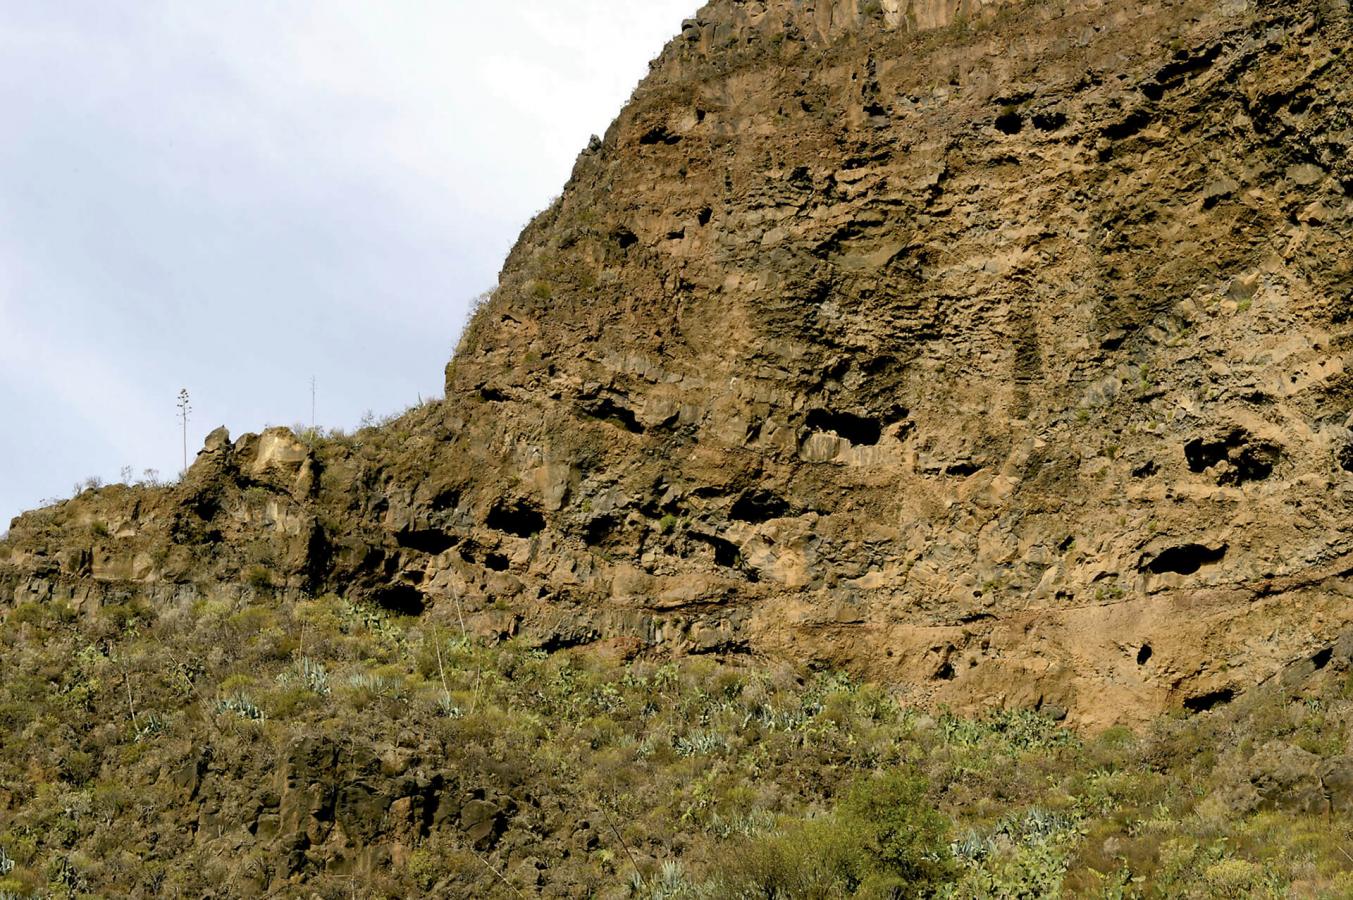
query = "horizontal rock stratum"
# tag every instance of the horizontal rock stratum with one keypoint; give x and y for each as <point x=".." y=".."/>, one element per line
<point x="996" y="351"/>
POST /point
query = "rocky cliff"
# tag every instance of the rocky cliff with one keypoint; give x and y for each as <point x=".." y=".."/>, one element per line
<point x="993" y="350"/>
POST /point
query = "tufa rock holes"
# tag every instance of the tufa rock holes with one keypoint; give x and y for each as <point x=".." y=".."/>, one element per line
<point x="1146" y="469"/>
<point x="1049" y="121"/>
<point x="1181" y="67"/>
<point x="728" y="555"/>
<point x="445" y="500"/>
<point x="1144" y="654"/>
<point x="659" y="134"/>
<point x="599" y="529"/>
<point x="1186" y="559"/>
<point x="1210" y="700"/>
<point x="1010" y="122"/>
<point x="430" y="540"/>
<point x="401" y="599"/>
<point x="1237" y="456"/>
<point x="859" y="430"/>
<point x="1345" y="457"/>
<point x="758" y="505"/>
<point x="518" y="518"/>
<point x="607" y="409"/>
<point x="1134" y="122"/>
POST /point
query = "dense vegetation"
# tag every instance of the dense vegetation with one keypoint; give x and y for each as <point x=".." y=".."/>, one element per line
<point x="179" y="751"/>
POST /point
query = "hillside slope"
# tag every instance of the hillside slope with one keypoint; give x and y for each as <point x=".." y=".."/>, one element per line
<point x="895" y="381"/>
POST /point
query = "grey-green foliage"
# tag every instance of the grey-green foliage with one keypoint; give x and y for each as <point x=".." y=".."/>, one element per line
<point x="375" y="685"/>
<point x="241" y="706"/>
<point x="1025" y="855"/>
<point x="447" y="707"/>
<point x="1012" y="731"/>
<point x="670" y="883"/>
<point x="151" y="726"/>
<point x="745" y="825"/>
<point x="314" y="676"/>
<point x="700" y="743"/>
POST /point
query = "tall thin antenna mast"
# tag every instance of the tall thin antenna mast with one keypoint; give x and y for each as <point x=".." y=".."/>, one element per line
<point x="312" y="402"/>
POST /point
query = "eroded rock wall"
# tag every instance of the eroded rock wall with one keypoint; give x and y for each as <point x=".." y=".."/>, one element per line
<point x="994" y="351"/>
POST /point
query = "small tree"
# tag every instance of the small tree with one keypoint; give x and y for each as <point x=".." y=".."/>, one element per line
<point x="185" y="407"/>
<point x="906" y="839"/>
<point x="883" y="840"/>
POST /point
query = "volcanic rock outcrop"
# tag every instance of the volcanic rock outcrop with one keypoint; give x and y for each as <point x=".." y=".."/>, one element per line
<point x="992" y="350"/>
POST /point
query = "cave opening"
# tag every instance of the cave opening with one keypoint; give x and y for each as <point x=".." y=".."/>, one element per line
<point x="519" y="519"/>
<point x="860" y="430"/>
<point x="1186" y="559"/>
<point x="758" y="505"/>
<point x="1210" y="700"/>
<point x="401" y="599"/>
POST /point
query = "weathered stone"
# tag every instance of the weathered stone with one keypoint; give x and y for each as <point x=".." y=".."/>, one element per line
<point x="1028" y="367"/>
<point x="360" y="807"/>
<point x="217" y="441"/>
<point x="482" y="822"/>
<point x="1288" y="777"/>
<point x="1337" y="778"/>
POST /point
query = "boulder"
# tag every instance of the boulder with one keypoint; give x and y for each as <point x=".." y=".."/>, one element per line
<point x="1288" y="778"/>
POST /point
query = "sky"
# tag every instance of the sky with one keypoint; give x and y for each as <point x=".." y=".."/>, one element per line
<point x="239" y="197"/>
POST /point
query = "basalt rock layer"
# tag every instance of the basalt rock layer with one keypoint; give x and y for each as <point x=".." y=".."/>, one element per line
<point x="992" y="350"/>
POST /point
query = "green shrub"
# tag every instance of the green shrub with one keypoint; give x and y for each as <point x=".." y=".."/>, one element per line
<point x="883" y="841"/>
<point x="817" y="858"/>
<point x="902" y="833"/>
<point x="258" y="578"/>
<point x="757" y="770"/>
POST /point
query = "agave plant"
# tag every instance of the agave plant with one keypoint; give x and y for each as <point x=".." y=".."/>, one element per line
<point x="314" y="676"/>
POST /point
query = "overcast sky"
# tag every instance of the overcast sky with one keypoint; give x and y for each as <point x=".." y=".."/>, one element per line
<point x="233" y="196"/>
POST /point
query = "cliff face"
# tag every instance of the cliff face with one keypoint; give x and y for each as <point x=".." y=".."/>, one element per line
<point x="993" y="350"/>
<point x="720" y="26"/>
